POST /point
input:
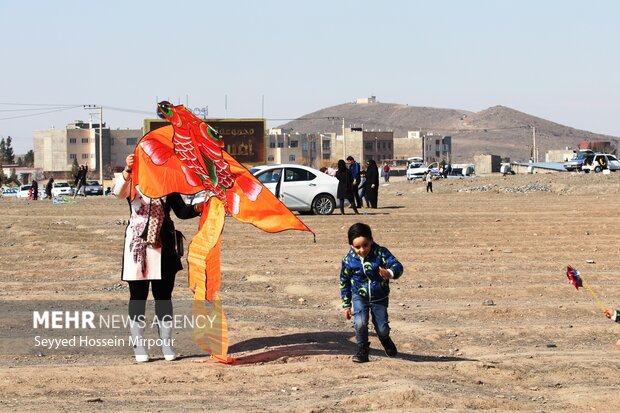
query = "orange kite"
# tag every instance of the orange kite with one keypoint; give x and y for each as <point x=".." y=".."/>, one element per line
<point x="188" y="157"/>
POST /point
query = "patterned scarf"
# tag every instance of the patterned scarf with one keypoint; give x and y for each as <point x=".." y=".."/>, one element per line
<point x="146" y="225"/>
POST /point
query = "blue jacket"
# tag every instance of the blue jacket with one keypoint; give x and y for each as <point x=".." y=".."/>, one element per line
<point x="362" y="277"/>
<point x="355" y="170"/>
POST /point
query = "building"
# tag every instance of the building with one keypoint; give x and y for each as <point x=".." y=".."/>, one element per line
<point x="429" y="146"/>
<point x="56" y="150"/>
<point x="363" y="145"/>
<point x="285" y="146"/>
<point x="409" y="146"/>
<point x="437" y="148"/>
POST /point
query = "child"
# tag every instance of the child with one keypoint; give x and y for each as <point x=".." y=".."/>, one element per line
<point x="365" y="283"/>
<point x="614" y="316"/>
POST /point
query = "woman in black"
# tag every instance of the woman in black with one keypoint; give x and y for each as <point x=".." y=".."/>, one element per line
<point x="345" y="186"/>
<point x="372" y="183"/>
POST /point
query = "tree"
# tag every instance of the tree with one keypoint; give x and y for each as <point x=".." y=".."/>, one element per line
<point x="2" y="151"/>
<point x="29" y="159"/>
<point x="9" y="155"/>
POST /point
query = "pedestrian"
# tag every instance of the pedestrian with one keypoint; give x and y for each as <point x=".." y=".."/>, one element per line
<point x="386" y="172"/>
<point x="345" y="187"/>
<point x="150" y="259"/>
<point x="614" y="315"/>
<point x="48" y="187"/>
<point x="428" y="178"/>
<point x="80" y="179"/>
<point x="365" y="284"/>
<point x="372" y="183"/>
<point x="354" y="167"/>
<point x="35" y="190"/>
<point x="362" y="190"/>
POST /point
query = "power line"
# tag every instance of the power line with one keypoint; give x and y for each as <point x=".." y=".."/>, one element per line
<point x="40" y="113"/>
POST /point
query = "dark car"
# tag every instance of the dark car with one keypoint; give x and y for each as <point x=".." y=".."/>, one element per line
<point x="93" y="188"/>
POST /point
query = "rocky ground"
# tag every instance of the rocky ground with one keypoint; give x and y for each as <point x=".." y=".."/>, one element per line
<point x="484" y="316"/>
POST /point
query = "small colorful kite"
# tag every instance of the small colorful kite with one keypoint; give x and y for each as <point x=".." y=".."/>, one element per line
<point x="578" y="281"/>
<point x="188" y="157"/>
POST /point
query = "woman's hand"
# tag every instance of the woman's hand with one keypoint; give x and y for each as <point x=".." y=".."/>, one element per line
<point x="199" y="207"/>
<point x="347" y="313"/>
<point x="127" y="171"/>
<point x="129" y="161"/>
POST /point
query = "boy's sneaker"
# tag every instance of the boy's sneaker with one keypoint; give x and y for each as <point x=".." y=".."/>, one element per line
<point x="389" y="346"/>
<point x="362" y="354"/>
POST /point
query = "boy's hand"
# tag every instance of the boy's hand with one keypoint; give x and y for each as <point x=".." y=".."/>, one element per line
<point x="347" y="313"/>
<point x="385" y="274"/>
<point x="608" y="312"/>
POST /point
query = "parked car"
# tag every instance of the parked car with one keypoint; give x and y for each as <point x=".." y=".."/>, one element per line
<point x="9" y="192"/>
<point x="416" y="170"/>
<point x="577" y="161"/>
<point x="24" y="191"/>
<point x="93" y="188"/>
<point x="299" y="187"/>
<point x="599" y="161"/>
<point x="61" y="189"/>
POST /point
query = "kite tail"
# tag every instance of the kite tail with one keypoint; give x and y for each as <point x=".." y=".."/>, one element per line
<point x="211" y="333"/>
<point x="204" y="252"/>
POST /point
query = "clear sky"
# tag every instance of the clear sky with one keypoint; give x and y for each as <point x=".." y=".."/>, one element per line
<point x="556" y="59"/>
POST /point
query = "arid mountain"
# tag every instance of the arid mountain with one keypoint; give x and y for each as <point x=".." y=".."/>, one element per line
<point x="498" y="130"/>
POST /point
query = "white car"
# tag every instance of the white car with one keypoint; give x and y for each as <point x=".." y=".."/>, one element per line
<point x="416" y="170"/>
<point x="24" y="191"/>
<point x="9" y="192"/>
<point x="61" y="189"/>
<point x="599" y="161"/>
<point x="299" y="187"/>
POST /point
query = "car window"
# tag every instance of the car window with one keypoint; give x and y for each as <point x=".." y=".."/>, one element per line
<point x="612" y="158"/>
<point x="297" y="174"/>
<point x="270" y="176"/>
<point x="61" y="184"/>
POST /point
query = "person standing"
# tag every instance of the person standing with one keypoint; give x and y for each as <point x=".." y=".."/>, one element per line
<point x="35" y="190"/>
<point x="386" y="172"/>
<point x="48" y="187"/>
<point x="372" y="183"/>
<point x="150" y="259"/>
<point x="362" y="187"/>
<point x="429" y="181"/>
<point x="365" y="284"/>
<point x="354" y="167"/>
<point x="345" y="186"/>
<point x="80" y="179"/>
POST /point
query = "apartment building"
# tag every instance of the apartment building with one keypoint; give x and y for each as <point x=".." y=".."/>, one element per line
<point x="56" y="150"/>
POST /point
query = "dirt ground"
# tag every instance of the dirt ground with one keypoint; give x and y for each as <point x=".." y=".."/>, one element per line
<point x="540" y="346"/>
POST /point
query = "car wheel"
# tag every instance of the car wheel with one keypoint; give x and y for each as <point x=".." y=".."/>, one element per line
<point x="323" y="204"/>
<point x="598" y="169"/>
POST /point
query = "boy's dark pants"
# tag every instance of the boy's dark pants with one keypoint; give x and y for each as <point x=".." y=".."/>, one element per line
<point x="361" y="309"/>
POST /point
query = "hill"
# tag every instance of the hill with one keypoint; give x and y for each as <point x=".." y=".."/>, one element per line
<point x="498" y="130"/>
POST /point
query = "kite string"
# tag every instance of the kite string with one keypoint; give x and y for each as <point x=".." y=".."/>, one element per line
<point x="600" y="304"/>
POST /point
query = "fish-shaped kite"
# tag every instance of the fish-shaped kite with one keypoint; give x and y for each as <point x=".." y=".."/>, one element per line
<point x="188" y="157"/>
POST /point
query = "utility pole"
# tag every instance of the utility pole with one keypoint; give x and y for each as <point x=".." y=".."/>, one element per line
<point x="534" y="148"/>
<point x="90" y="107"/>
<point x="344" y="142"/>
